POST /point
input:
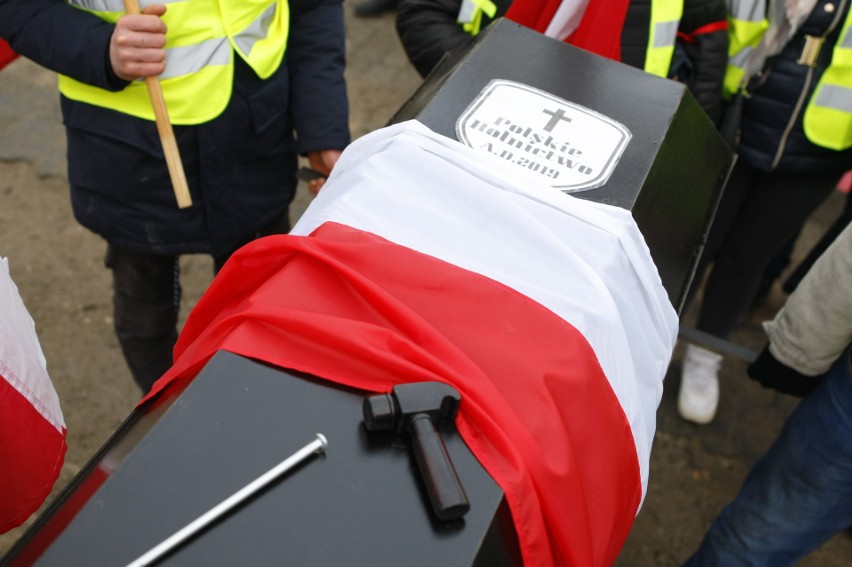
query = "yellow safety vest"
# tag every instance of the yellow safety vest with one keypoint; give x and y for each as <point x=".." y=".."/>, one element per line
<point x="828" y="116"/>
<point x="665" y="21"/>
<point x="746" y="25"/>
<point x="470" y="14"/>
<point x="202" y="37"/>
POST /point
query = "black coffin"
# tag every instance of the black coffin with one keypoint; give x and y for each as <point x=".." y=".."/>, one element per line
<point x="671" y="172"/>
<point x="359" y="503"/>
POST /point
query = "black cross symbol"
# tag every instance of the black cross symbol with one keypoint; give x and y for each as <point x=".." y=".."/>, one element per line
<point x="556" y="116"/>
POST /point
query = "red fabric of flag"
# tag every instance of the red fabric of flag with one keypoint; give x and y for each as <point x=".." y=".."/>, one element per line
<point x="598" y="32"/>
<point x="32" y="429"/>
<point x="536" y="410"/>
<point x="31" y="455"/>
<point x="6" y="54"/>
<point x="534" y="14"/>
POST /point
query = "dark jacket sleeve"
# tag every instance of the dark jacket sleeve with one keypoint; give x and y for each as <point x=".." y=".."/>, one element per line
<point x="636" y="33"/>
<point x="316" y="58"/>
<point x="61" y="38"/>
<point x="704" y="35"/>
<point x="428" y="29"/>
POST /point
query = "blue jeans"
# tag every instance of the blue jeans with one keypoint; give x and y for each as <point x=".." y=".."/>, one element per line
<point x="800" y="493"/>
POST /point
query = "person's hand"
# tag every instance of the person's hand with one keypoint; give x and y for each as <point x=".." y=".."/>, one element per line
<point x="136" y="48"/>
<point x="322" y="161"/>
<point x="772" y="373"/>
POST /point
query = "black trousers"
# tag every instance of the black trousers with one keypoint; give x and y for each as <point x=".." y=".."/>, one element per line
<point x="758" y="214"/>
<point x="146" y="302"/>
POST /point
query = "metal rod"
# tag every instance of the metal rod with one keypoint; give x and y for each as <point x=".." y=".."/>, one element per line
<point x="715" y="343"/>
<point x="318" y="445"/>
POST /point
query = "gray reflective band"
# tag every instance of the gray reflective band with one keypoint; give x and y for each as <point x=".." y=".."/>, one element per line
<point x="185" y="60"/>
<point x="114" y="5"/>
<point x="748" y="10"/>
<point x="739" y="59"/>
<point x="847" y="39"/>
<point x="468" y="7"/>
<point x="833" y="96"/>
<point x="665" y="33"/>
<point x="255" y="32"/>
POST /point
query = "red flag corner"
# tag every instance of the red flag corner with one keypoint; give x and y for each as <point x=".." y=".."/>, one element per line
<point x="6" y="54"/>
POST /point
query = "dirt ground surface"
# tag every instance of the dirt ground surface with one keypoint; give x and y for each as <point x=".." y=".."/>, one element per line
<point x="58" y="267"/>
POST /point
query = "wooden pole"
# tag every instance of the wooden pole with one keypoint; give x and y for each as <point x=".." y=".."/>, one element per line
<point x="164" y="127"/>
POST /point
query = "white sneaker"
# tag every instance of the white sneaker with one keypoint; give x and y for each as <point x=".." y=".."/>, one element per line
<point x="699" y="385"/>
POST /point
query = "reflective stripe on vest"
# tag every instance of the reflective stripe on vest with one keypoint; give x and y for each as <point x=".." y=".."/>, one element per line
<point x="828" y="117"/>
<point x="746" y="24"/>
<point x="665" y="20"/>
<point x="111" y="5"/>
<point x="470" y="14"/>
<point x="201" y="40"/>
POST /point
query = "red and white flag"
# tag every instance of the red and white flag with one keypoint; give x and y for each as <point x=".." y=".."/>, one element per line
<point x="593" y="25"/>
<point x="423" y="259"/>
<point x="32" y="430"/>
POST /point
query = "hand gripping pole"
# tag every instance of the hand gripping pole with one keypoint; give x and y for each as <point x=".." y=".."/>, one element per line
<point x="164" y="128"/>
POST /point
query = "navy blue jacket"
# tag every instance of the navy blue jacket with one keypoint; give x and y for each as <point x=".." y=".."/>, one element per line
<point x="772" y="136"/>
<point x="240" y="166"/>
